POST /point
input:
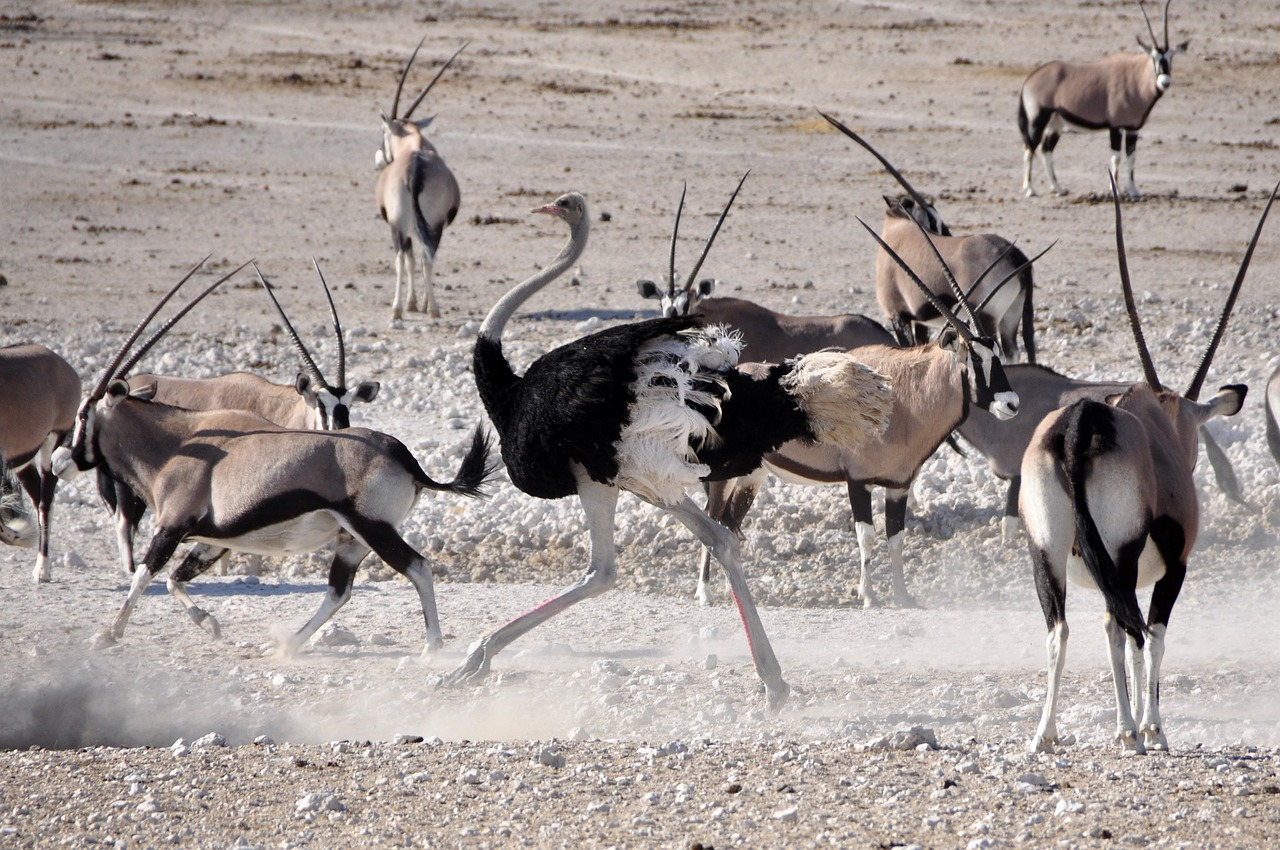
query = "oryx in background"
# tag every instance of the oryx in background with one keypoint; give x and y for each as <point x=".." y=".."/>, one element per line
<point x="231" y="480"/>
<point x="1109" y="503"/>
<point x="310" y="402"/>
<point x="418" y="195"/>
<point x="39" y="393"/>
<point x="912" y="315"/>
<point x="1116" y="93"/>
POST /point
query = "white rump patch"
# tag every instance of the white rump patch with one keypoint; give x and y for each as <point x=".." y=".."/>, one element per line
<point x="656" y="450"/>
<point x="848" y="403"/>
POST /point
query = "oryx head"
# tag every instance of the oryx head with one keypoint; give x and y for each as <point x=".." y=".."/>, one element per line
<point x="913" y="205"/>
<point x="684" y="300"/>
<point x="1185" y="412"/>
<point x="81" y="452"/>
<point x="395" y="126"/>
<point x="331" y="402"/>
<point x="986" y="384"/>
<point x="1161" y="53"/>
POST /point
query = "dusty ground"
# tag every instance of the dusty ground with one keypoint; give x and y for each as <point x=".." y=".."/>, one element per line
<point x="136" y="138"/>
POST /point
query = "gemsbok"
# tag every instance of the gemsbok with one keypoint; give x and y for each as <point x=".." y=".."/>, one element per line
<point x="934" y="383"/>
<point x="913" y="316"/>
<point x="1116" y="92"/>
<point x="418" y="196"/>
<point x="1109" y="503"/>
<point x="39" y="393"/>
<point x="227" y="479"/>
<point x="310" y="402"/>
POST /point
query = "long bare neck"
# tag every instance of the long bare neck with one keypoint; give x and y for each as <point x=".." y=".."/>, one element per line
<point x="496" y="321"/>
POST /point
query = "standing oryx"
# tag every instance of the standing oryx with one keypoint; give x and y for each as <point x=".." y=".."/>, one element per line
<point x="969" y="257"/>
<point x="934" y="384"/>
<point x="417" y="194"/>
<point x="230" y="480"/>
<point x="39" y="392"/>
<point x="310" y="402"/>
<point x="1109" y="503"/>
<point x="1117" y="93"/>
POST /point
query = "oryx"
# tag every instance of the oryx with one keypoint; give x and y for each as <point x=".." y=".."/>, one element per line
<point x="39" y="392"/>
<point x="232" y="480"/>
<point x="418" y="195"/>
<point x="1116" y="92"/>
<point x="910" y="313"/>
<point x="1109" y="503"/>
<point x="1272" y="403"/>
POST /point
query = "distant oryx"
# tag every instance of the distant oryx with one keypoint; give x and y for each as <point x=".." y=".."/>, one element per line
<point x="911" y="315"/>
<point x="933" y="384"/>
<point x="417" y="194"/>
<point x="39" y="392"/>
<point x="310" y="402"/>
<point x="1117" y="93"/>
<point x="228" y="479"/>
<point x="1109" y="503"/>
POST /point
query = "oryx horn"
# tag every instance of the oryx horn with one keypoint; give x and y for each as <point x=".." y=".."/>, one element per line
<point x="337" y="327"/>
<point x="712" y="238"/>
<point x="942" y="309"/>
<point x="1010" y="276"/>
<point x="395" y="101"/>
<point x="888" y="166"/>
<point x="1155" y="42"/>
<point x="1193" y="392"/>
<point x="675" y="231"/>
<point x="951" y="278"/>
<point x="409" y="112"/>
<point x="293" y="334"/>
<point x="1148" y="368"/>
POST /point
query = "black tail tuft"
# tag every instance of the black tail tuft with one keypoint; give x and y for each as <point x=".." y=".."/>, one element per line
<point x="477" y="468"/>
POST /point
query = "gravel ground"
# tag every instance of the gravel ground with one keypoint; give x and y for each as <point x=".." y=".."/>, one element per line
<point x="137" y="137"/>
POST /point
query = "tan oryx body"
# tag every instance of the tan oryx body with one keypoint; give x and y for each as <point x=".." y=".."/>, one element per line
<point x="418" y="196"/>
<point x="39" y="393"/>
<point x="933" y="386"/>
<point x="1115" y="93"/>
<point x="1109" y="503"/>
<point x="998" y="273"/>
<point x="231" y="480"/>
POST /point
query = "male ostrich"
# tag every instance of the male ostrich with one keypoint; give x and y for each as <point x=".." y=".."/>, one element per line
<point x="653" y="408"/>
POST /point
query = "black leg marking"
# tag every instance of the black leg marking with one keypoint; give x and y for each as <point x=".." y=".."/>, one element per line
<point x="199" y="559"/>
<point x="1169" y="539"/>
<point x="1052" y="592"/>
<point x="163" y="544"/>
<point x="860" y="501"/>
<point x="1011" y="497"/>
<point x="1130" y="142"/>
<point x="1050" y="142"/>
<point x="895" y="513"/>
<point x="1115" y="140"/>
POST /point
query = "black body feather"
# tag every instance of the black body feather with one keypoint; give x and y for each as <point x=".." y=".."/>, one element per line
<point x="758" y="417"/>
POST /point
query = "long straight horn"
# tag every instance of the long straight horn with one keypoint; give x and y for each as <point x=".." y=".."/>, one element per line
<point x="1148" y="368"/>
<point x="942" y="309"/>
<point x="409" y="112"/>
<point x="1166" y="24"/>
<point x="675" y="231"/>
<point x="1193" y="392"/>
<point x="1010" y="276"/>
<point x="951" y="278"/>
<point x="395" y="101"/>
<point x="968" y="293"/>
<point x="293" y="334"/>
<point x="1154" y="41"/>
<point x="888" y="166"/>
<point x="712" y="238"/>
<point x="110" y="371"/>
<point x="337" y="327"/>
<point x="173" y="320"/>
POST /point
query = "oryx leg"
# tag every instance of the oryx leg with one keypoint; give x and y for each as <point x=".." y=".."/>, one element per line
<point x="40" y="486"/>
<point x="599" y="503"/>
<point x="1126" y="728"/>
<point x="895" y="522"/>
<point x="129" y="513"/>
<point x="1130" y="154"/>
<point x="727" y="503"/>
<point x="1169" y="541"/>
<point x="723" y="544"/>
<point x="348" y="552"/>
<point x="1009" y="523"/>
<point x="163" y="544"/>
<point x="404" y="276"/>
<point x="1050" y="527"/>
<point x="429" y="291"/>
<point x="1032" y="140"/>
<point x="1053" y="132"/>
<point x="864" y="527"/>
<point x="199" y="559"/>
<point x="388" y="545"/>
<point x="1117" y="145"/>
<point x="904" y="329"/>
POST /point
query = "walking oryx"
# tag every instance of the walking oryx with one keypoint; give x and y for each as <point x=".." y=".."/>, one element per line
<point x="1109" y="503"/>
<point x="1117" y="93"/>
<point x="911" y="313"/>
<point x="417" y="194"/>
<point x="310" y="402"/>
<point x="933" y="385"/>
<point x="39" y="392"/>
<point x="1272" y="403"/>
<point x="653" y="408"/>
<point x="230" y="480"/>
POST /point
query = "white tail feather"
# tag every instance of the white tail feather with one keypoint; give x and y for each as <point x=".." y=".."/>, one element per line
<point x="848" y="403"/>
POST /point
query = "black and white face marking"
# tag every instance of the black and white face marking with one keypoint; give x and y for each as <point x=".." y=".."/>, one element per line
<point x="80" y="452"/>
<point x="1162" y="67"/>
<point x="988" y="386"/>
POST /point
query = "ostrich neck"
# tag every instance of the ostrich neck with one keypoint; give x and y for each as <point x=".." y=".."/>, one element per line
<point x="496" y="321"/>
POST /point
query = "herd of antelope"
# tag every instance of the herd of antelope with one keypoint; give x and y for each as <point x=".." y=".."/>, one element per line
<point x="1100" y="473"/>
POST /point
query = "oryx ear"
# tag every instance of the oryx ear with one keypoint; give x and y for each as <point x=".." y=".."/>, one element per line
<point x="890" y="202"/>
<point x="303" y="384"/>
<point x="648" y="289"/>
<point x="948" y="339"/>
<point x="367" y="391"/>
<point x="146" y="392"/>
<point x="423" y="122"/>
<point x="1227" y="401"/>
<point x="1145" y="47"/>
<point x="1181" y="48"/>
<point x="117" y="391"/>
<point x="1113" y="399"/>
<point x="705" y="286"/>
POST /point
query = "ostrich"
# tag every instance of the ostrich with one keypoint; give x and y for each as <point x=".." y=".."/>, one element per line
<point x="653" y="408"/>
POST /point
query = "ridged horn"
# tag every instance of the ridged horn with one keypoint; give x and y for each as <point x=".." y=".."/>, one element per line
<point x="1010" y="276"/>
<point x="712" y="238"/>
<point x="293" y="334"/>
<point x="951" y="278"/>
<point x="395" y="101"/>
<point x="1155" y="42"/>
<point x="1148" y="368"/>
<point x="675" y="231"/>
<point x="409" y="112"/>
<point x="337" y="328"/>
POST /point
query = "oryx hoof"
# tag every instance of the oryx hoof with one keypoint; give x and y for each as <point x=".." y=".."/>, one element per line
<point x="1060" y="192"/>
<point x="704" y="596"/>
<point x="206" y="621"/>
<point x="1028" y="192"/>
<point x="1043" y="744"/>
<point x="868" y="599"/>
<point x="1154" y="738"/>
<point x="903" y="599"/>
<point x="1129" y="740"/>
<point x="104" y="640"/>
<point x="432" y="646"/>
